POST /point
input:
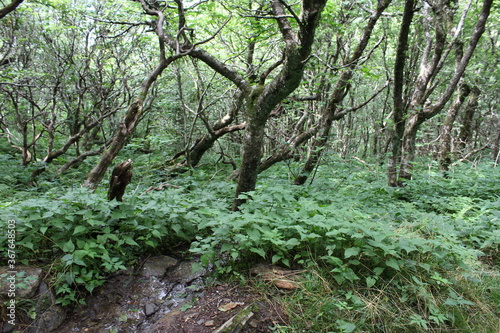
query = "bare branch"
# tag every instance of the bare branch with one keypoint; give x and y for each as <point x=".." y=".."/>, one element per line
<point x="343" y="112"/>
<point x="294" y="15"/>
<point x="460" y="70"/>
<point x="7" y="9"/>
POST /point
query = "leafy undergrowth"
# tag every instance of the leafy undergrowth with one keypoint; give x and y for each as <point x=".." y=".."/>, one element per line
<point x="419" y="258"/>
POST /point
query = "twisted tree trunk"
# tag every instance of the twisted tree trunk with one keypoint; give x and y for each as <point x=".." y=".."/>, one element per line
<point x="445" y="157"/>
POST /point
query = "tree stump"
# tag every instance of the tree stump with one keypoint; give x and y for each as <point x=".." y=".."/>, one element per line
<point x="120" y="177"/>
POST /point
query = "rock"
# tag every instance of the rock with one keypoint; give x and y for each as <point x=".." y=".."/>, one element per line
<point x="187" y="272"/>
<point x="25" y="279"/>
<point x="158" y="266"/>
<point x="7" y="328"/>
<point x="229" y="306"/>
<point x="49" y="320"/>
<point x="237" y="322"/>
<point x="49" y="316"/>
<point x="253" y="323"/>
<point x="164" y="324"/>
<point x="285" y="284"/>
<point x="149" y="309"/>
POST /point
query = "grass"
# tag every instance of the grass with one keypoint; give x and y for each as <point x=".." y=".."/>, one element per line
<point x="320" y="305"/>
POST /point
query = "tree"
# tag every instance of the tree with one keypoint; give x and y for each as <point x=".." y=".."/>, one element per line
<point x="408" y="115"/>
<point x="61" y="89"/>
<point x="260" y="97"/>
<point x="446" y="137"/>
<point x="134" y="112"/>
<point x="333" y="110"/>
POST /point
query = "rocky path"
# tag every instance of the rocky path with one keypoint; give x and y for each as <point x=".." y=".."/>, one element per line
<point x="164" y="295"/>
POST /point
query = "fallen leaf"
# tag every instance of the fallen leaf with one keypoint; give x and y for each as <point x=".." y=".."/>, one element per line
<point x="285" y="284"/>
<point x="209" y="323"/>
<point x="230" y="306"/>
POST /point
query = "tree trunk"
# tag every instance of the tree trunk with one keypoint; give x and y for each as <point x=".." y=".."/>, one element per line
<point x="495" y="151"/>
<point x="408" y="146"/>
<point x="262" y="99"/>
<point x="434" y="55"/>
<point x="470" y="110"/>
<point x="200" y="147"/>
<point x="399" y="111"/>
<point x="125" y="130"/>
<point x="446" y="138"/>
<point x="135" y="110"/>
<point x="253" y="143"/>
<point x="332" y="110"/>
<point x="121" y="176"/>
<point x="222" y="127"/>
<point x="9" y="8"/>
<point x="75" y="138"/>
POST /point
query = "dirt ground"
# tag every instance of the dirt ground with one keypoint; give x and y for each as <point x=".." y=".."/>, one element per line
<point x="219" y="304"/>
<point x="187" y="305"/>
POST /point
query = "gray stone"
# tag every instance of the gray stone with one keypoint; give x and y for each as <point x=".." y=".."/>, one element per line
<point x="49" y="316"/>
<point x="25" y="279"/>
<point x="45" y="298"/>
<point x="7" y="328"/>
<point x="149" y="309"/>
<point x="158" y="266"/>
<point x="187" y="272"/>
<point x="49" y="320"/>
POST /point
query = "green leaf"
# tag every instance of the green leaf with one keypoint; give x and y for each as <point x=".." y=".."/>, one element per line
<point x="259" y="251"/>
<point x="292" y="242"/>
<point x="352" y="251"/>
<point x="276" y="258"/>
<point x="67" y="259"/>
<point x="68" y="246"/>
<point x="79" y="229"/>
<point x="94" y="222"/>
<point x="254" y="235"/>
<point x="346" y="327"/>
<point x="130" y="241"/>
<point x="370" y="281"/>
<point x="226" y="247"/>
<point x="393" y="263"/>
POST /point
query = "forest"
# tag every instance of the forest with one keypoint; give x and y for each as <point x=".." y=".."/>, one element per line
<point x="355" y="142"/>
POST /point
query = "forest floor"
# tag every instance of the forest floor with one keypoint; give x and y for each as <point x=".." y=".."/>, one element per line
<point x="179" y="301"/>
<point x="219" y="304"/>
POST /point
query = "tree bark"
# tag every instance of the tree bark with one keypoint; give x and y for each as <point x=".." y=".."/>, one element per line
<point x="201" y="146"/>
<point x="470" y="111"/>
<point x="120" y="177"/>
<point x="9" y="8"/>
<point x="53" y="154"/>
<point x="222" y="127"/>
<point x="80" y="158"/>
<point x="399" y="111"/>
<point x="445" y="158"/>
<point x="495" y="151"/>
<point x="262" y="99"/>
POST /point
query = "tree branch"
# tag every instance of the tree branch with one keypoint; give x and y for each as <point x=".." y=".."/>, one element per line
<point x="462" y="65"/>
<point x="9" y="8"/>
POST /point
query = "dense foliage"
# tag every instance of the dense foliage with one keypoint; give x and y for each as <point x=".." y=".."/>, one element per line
<point x="431" y="247"/>
<point x="384" y="112"/>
